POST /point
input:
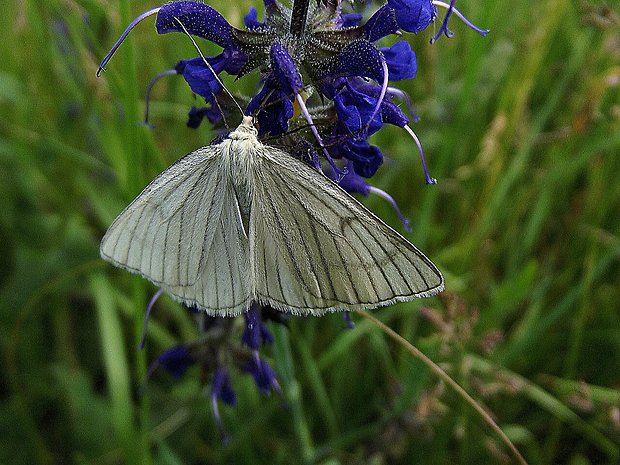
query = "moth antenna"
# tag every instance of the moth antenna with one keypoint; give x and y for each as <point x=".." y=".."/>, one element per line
<point x="217" y="78"/>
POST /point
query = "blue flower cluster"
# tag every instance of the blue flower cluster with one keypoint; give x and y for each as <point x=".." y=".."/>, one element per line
<point x="332" y="55"/>
<point x="320" y="67"/>
<point x="316" y="61"/>
<point x="214" y="354"/>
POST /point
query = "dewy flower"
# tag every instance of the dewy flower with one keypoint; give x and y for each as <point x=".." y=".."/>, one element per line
<point x="309" y="55"/>
<point x="325" y="89"/>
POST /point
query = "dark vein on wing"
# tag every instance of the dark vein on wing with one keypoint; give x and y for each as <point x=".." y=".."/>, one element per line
<point x="322" y="256"/>
<point x="182" y="229"/>
<point x="305" y="248"/>
<point x="389" y="257"/>
<point x="288" y="246"/>
<point x="367" y="265"/>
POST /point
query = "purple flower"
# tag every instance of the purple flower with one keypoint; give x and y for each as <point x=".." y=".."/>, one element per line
<point x="273" y="108"/>
<point x="221" y="388"/>
<point x="284" y="70"/>
<point x="175" y="361"/>
<point x="203" y="21"/>
<point x="351" y="182"/>
<point x="349" y="20"/>
<point x="251" y="20"/>
<point x="355" y="103"/>
<point x="196" y="115"/>
<point x="214" y="353"/>
<point x="263" y="374"/>
<point x="255" y="333"/>
<point x="400" y="60"/>
<point x="330" y="45"/>
<point x="274" y="103"/>
<point x="383" y="23"/>
<point x="199" y="76"/>
<point x="354" y="110"/>
<point x="366" y="158"/>
<point x="413" y="15"/>
<point x="360" y="58"/>
<point x="199" y="19"/>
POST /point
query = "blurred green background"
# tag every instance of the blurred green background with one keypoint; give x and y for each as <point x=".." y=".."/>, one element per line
<point x="522" y="130"/>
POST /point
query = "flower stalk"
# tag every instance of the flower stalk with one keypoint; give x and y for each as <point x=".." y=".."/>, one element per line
<point x="299" y="17"/>
<point x="445" y="377"/>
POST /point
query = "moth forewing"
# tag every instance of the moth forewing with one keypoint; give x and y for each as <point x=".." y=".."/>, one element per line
<point x="337" y="255"/>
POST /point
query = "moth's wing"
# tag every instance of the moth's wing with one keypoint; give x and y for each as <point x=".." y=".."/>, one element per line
<point x="184" y="233"/>
<point x="316" y="249"/>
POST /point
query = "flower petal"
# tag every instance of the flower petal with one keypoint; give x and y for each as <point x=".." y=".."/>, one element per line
<point x="351" y="182"/>
<point x="200" y="78"/>
<point x="264" y="376"/>
<point x="221" y="388"/>
<point x="366" y="158"/>
<point x="272" y="107"/>
<point x="354" y="110"/>
<point x="198" y="18"/>
<point x="176" y="361"/>
<point x="381" y="24"/>
<point x="349" y="20"/>
<point x="392" y="114"/>
<point x="196" y="115"/>
<point x="400" y="60"/>
<point x="413" y="15"/>
<point x="255" y="331"/>
<point x="251" y="20"/>
<point x="360" y="58"/>
<point x="284" y="69"/>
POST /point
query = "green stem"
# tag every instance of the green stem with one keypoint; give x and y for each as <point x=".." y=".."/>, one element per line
<point x="292" y="391"/>
<point x="299" y="16"/>
<point x="448" y="380"/>
<point x="134" y="159"/>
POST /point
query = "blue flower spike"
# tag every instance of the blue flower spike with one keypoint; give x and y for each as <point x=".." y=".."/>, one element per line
<point x="334" y="55"/>
<point x="208" y="353"/>
<point x="325" y="89"/>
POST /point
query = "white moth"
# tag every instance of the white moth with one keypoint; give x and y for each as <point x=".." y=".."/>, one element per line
<point x="242" y="222"/>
